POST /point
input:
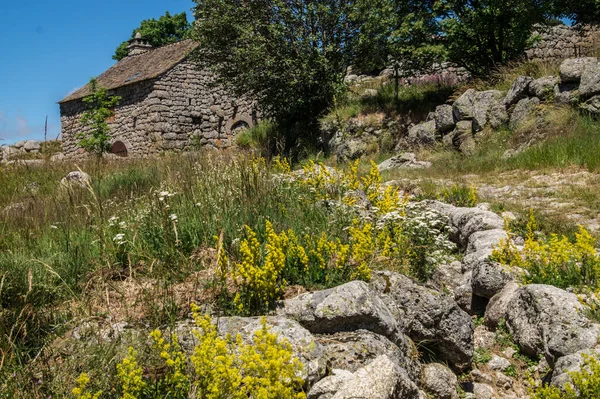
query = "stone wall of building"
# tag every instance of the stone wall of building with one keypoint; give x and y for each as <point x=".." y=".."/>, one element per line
<point x="561" y="42"/>
<point x="180" y="109"/>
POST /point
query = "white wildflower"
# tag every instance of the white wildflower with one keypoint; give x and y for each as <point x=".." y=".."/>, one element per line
<point x="173" y="217"/>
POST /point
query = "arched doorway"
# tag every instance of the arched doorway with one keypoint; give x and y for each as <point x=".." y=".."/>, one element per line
<point x="119" y="148"/>
<point x="238" y="127"/>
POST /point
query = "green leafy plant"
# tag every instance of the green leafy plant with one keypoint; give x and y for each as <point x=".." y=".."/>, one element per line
<point x="99" y="106"/>
<point x="585" y="383"/>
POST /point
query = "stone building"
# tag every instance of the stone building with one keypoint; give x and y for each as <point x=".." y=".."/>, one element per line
<point x="167" y="103"/>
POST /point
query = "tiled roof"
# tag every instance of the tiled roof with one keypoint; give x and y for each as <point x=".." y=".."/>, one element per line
<point x="137" y="68"/>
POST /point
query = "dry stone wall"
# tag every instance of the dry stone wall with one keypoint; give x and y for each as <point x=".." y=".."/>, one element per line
<point x="560" y="42"/>
<point x="173" y="112"/>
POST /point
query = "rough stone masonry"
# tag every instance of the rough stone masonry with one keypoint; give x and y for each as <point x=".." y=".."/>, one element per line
<point x="167" y="103"/>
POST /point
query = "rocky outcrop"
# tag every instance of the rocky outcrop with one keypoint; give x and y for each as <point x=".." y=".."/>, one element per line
<point x="429" y="317"/>
<point x="76" y="179"/>
<point x="518" y="91"/>
<point x="522" y="111"/>
<point x="439" y="381"/>
<point x="590" y="80"/>
<point x="572" y="69"/>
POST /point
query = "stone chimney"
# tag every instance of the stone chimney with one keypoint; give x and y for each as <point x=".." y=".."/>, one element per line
<point x="138" y="45"/>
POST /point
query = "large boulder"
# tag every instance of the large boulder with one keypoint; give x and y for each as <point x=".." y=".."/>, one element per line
<point x="349" y="307"/>
<point x="351" y="149"/>
<point x="518" y="90"/>
<point x="430" y="317"/>
<point x="439" y="381"/>
<point x="590" y="80"/>
<point x="444" y="118"/>
<point x="353" y="350"/>
<point x="522" y="111"/>
<point x="423" y="133"/>
<point x="543" y="88"/>
<point x="572" y="69"/>
<point x="550" y="321"/>
<point x="381" y="379"/>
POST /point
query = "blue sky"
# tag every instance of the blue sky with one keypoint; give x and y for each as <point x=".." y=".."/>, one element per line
<point x="50" y="48"/>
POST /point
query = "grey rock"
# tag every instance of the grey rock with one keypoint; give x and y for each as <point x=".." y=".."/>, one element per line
<point x="351" y="149"/>
<point x="518" y="90"/>
<point x="483" y="391"/>
<point x="353" y="350"/>
<point x="448" y="276"/>
<point x="439" y="381"/>
<point x="572" y="69"/>
<point x="430" y="317"/>
<point x="381" y="379"/>
<point x="57" y="157"/>
<point x="592" y="105"/>
<point x="76" y="179"/>
<point x="369" y="93"/>
<point x="484" y="100"/>
<point x="498" y="306"/>
<point x="570" y="364"/>
<point x="32" y="146"/>
<point x="566" y="93"/>
<point x="484" y="338"/>
<point x="444" y="118"/>
<point x="448" y="139"/>
<point x="481" y="377"/>
<point x="489" y="278"/>
<point x="463" y="138"/>
<point x="466" y="221"/>
<point x="481" y="245"/>
<point x="349" y="307"/>
<point x="498" y="115"/>
<point x="463" y="106"/>
<point x="590" y="80"/>
<point x="522" y="111"/>
<point x="19" y="144"/>
<point x="498" y="363"/>
<point x="423" y="133"/>
<point x="503" y="382"/>
<point x="403" y="161"/>
<point x="543" y="88"/>
<point x="330" y="384"/>
<point x="550" y="321"/>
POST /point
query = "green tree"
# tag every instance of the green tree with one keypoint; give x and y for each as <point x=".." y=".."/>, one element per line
<point x="99" y="108"/>
<point x="580" y="11"/>
<point x="290" y="54"/>
<point x="167" y="29"/>
<point x="481" y="34"/>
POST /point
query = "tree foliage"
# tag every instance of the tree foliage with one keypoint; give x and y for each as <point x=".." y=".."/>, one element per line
<point x="580" y="11"/>
<point x="99" y="109"/>
<point x="158" y="32"/>
<point x="290" y="54"/>
<point x="481" y="34"/>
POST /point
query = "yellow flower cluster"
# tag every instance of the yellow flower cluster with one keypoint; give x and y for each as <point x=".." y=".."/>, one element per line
<point x="176" y="378"/>
<point x="232" y="369"/>
<point x="259" y="278"/>
<point x="555" y="260"/>
<point x="363" y="249"/>
<point x="81" y="391"/>
<point x="281" y="165"/>
<point x="130" y="374"/>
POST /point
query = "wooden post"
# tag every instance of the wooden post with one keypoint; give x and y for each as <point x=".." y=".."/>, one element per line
<point x="46" y="129"/>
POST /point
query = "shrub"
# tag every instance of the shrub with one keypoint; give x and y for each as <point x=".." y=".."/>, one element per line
<point x="218" y="368"/>
<point x="554" y="260"/>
